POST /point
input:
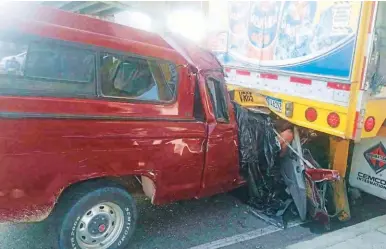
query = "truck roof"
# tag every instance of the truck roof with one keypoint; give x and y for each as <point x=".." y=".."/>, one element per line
<point x="57" y="24"/>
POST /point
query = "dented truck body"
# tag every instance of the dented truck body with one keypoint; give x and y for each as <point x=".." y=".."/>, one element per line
<point x="50" y="141"/>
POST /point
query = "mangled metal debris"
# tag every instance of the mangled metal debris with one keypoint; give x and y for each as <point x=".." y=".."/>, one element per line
<point x="279" y="171"/>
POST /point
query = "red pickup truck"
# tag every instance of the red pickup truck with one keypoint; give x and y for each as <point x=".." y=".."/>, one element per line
<point x="92" y="105"/>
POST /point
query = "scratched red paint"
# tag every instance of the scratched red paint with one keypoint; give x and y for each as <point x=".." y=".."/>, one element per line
<point x="42" y="156"/>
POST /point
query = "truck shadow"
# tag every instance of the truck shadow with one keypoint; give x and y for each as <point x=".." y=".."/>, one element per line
<point x="179" y="225"/>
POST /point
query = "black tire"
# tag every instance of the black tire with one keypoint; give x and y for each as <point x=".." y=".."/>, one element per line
<point x="79" y="200"/>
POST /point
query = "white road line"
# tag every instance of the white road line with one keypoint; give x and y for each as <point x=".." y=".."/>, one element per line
<point x="244" y="237"/>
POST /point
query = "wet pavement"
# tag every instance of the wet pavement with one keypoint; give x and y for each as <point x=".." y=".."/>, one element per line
<point x="221" y="221"/>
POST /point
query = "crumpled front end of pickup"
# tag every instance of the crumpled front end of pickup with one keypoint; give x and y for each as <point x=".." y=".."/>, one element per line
<point x="279" y="171"/>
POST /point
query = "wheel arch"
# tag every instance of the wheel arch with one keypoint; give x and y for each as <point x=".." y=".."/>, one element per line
<point x="136" y="185"/>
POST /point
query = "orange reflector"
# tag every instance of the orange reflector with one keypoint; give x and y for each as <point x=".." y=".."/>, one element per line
<point x="333" y="119"/>
<point x="311" y="114"/>
<point x="369" y="124"/>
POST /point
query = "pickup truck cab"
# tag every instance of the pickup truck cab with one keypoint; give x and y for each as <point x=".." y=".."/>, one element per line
<point x="95" y="105"/>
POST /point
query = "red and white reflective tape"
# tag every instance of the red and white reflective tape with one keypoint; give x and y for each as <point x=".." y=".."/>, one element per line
<point x="324" y="91"/>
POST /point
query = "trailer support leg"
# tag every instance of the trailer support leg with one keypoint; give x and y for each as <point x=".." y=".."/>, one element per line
<point x="338" y="157"/>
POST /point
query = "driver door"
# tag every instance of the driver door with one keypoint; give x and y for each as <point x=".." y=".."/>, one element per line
<point x="221" y="171"/>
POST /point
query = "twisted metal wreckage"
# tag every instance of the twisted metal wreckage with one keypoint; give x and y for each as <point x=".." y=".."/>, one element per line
<point x="280" y="171"/>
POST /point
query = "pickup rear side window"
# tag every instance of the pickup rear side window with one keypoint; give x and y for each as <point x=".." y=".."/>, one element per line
<point x="52" y="61"/>
<point x="218" y="100"/>
<point x="134" y="78"/>
<point x="43" y="67"/>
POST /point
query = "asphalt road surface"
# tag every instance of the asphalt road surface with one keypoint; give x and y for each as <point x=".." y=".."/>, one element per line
<point x="221" y="221"/>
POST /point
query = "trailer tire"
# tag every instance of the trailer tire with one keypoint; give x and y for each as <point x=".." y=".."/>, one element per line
<point x="100" y="217"/>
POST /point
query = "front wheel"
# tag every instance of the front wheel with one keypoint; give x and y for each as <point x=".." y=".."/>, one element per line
<point x="101" y="218"/>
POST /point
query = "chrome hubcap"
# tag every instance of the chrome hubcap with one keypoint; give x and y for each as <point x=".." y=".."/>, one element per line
<point x="100" y="226"/>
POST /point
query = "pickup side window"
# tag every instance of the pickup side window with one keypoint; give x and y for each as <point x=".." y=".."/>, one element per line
<point x="198" y="109"/>
<point x="43" y="67"/>
<point x="137" y="78"/>
<point x="217" y="97"/>
<point x="51" y="61"/>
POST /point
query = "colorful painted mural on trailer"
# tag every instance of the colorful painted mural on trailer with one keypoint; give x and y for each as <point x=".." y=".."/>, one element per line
<point x="305" y="37"/>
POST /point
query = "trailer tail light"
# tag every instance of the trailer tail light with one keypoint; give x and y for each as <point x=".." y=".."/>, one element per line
<point x="369" y="124"/>
<point x="333" y="119"/>
<point x="311" y="114"/>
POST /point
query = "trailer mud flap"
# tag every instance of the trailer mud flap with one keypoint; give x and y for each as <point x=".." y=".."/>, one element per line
<point x="368" y="168"/>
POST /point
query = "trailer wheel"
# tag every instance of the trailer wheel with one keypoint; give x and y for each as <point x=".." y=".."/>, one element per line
<point x="100" y="218"/>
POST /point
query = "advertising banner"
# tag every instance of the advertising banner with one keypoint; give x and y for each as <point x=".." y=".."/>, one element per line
<point x="304" y="37"/>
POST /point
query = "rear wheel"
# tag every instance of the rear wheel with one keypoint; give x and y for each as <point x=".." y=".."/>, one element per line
<point x="100" y="218"/>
